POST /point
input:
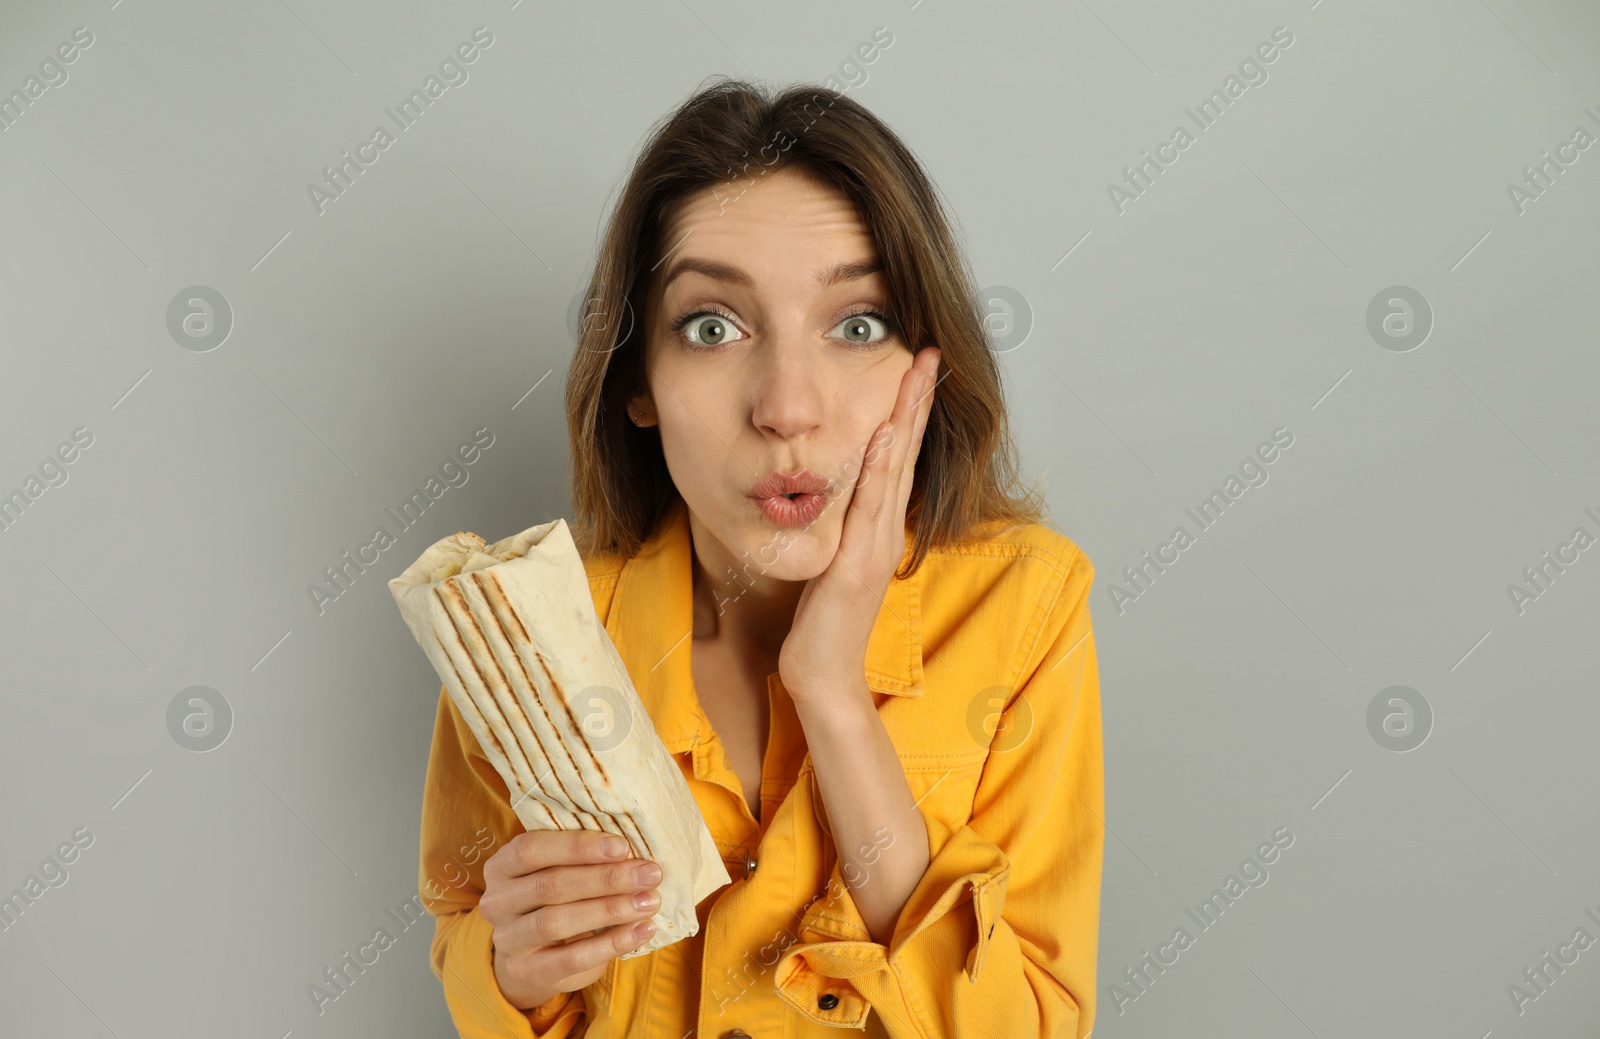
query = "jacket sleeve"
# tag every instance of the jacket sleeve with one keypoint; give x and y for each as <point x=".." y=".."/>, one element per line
<point x="1000" y="935"/>
<point x="466" y="817"/>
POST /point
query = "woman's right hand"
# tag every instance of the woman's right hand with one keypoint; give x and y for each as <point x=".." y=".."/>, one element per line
<point x="562" y="909"/>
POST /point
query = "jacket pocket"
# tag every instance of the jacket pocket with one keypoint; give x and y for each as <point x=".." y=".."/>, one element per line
<point x="943" y="788"/>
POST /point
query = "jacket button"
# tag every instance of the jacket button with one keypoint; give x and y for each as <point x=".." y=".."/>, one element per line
<point x="737" y="1034"/>
<point x="749" y="863"/>
<point x="827" y="1001"/>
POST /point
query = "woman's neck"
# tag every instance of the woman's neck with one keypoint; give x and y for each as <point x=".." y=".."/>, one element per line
<point x="753" y="612"/>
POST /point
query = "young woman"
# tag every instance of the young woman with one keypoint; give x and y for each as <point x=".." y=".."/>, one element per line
<point x="799" y="513"/>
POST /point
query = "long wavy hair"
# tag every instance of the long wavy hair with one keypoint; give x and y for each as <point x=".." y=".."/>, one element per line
<point x="728" y="135"/>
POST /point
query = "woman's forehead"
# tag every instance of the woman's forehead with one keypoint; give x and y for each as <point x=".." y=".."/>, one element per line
<point x="784" y="210"/>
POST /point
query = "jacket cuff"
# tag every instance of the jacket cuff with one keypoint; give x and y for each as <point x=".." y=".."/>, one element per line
<point x="544" y="1017"/>
<point x="479" y="1008"/>
<point x="836" y="955"/>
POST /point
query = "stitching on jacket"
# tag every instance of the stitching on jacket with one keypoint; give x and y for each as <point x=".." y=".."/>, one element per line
<point x="1058" y="561"/>
<point x="914" y="1008"/>
<point x="1060" y="565"/>
<point x="646" y="989"/>
<point x="845" y="932"/>
<point x="936" y="763"/>
<point x="975" y="757"/>
<point x="914" y="647"/>
<point x="1030" y="638"/>
<point x="990" y="888"/>
<point x="802" y="974"/>
<point x="964" y="885"/>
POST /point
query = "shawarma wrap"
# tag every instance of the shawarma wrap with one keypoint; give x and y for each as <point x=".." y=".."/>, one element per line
<point x="512" y="631"/>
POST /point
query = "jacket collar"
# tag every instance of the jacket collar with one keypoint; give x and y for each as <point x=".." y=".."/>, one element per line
<point x="651" y="622"/>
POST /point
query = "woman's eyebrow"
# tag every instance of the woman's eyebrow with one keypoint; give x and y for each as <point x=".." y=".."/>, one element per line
<point x="839" y="272"/>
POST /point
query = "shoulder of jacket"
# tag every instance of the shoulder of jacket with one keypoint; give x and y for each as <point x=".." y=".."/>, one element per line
<point x="1035" y="576"/>
<point x="1032" y="580"/>
<point x="1034" y="546"/>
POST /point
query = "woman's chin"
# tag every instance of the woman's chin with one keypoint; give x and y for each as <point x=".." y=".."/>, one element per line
<point x="791" y="553"/>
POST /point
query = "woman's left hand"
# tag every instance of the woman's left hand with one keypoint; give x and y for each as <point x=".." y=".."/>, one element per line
<point x="826" y="649"/>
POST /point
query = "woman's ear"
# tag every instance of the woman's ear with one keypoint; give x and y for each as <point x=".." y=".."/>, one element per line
<point x="640" y="410"/>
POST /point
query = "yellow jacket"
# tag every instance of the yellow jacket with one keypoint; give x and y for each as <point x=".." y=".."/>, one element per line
<point x="982" y="667"/>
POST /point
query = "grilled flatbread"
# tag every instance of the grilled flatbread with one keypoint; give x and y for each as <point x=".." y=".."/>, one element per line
<point x="512" y="630"/>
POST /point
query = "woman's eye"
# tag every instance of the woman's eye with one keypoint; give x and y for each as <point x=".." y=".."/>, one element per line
<point x="858" y="328"/>
<point x="708" y="329"/>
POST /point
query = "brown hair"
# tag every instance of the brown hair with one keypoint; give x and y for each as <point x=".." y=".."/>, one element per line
<point x="730" y="133"/>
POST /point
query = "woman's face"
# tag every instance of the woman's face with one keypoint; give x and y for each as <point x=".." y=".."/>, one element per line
<point x="761" y="356"/>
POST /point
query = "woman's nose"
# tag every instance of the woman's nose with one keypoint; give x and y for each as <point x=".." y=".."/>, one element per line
<point x="788" y="396"/>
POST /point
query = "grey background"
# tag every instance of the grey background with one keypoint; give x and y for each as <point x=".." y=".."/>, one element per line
<point x="1167" y="342"/>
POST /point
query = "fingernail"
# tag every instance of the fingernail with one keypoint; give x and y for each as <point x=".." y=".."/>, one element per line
<point x="614" y="847"/>
<point x="649" y="873"/>
<point x="644" y="930"/>
<point x="645" y="900"/>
